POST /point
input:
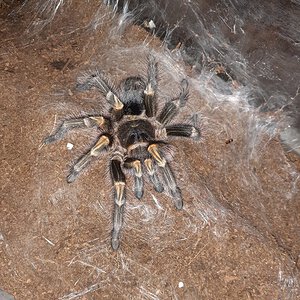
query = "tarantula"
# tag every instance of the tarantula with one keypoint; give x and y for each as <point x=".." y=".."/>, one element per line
<point x="134" y="134"/>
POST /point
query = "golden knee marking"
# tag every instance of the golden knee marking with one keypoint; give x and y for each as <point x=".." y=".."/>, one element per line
<point x="149" y="166"/>
<point x="116" y="102"/>
<point x="137" y="168"/>
<point x="153" y="150"/>
<point x="100" y="121"/>
<point x="120" y="189"/>
<point x="102" y="143"/>
<point x="149" y="90"/>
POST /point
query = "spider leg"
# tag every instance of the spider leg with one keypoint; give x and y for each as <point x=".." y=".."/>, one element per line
<point x="173" y="188"/>
<point x="184" y="130"/>
<point x="99" y="81"/>
<point x="118" y="179"/>
<point x="95" y="79"/>
<point x="167" y="175"/>
<point x="136" y="165"/>
<point x="172" y="107"/>
<point x="153" y="175"/>
<point x="95" y="151"/>
<point x="84" y="122"/>
<point x="151" y="88"/>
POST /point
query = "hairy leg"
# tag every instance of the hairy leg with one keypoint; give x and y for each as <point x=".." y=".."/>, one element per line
<point x="172" y="186"/>
<point x="83" y="122"/>
<point x="184" y="130"/>
<point x="173" y="106"/>
<point x="168" y="176"/>
<point x="151" y="88"/>
<point x="95" y="151"/>
<point x="118" y="179"/>
<point x="98" y="80"/>
<point x="153" y="175"/>
<point x="136" y="165"/>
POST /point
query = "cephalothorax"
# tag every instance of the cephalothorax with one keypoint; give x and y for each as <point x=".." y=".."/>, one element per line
<point x="135" y="134"/>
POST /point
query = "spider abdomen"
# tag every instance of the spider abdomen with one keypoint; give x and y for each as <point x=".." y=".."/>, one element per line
<point x="135" y="132"/>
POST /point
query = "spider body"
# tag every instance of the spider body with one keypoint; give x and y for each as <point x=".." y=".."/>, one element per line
<point x="135" y="136"/>
<point x="135" y="132"/>
<point x="133" y="88"/>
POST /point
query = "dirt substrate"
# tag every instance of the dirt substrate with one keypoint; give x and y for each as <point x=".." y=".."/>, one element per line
<point x="238" y="234"/>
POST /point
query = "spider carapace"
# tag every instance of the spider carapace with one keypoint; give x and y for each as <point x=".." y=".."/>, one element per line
<point x="135" y="136"/>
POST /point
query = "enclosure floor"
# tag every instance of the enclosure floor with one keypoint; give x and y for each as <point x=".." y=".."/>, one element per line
<point x="55" y="237"/>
